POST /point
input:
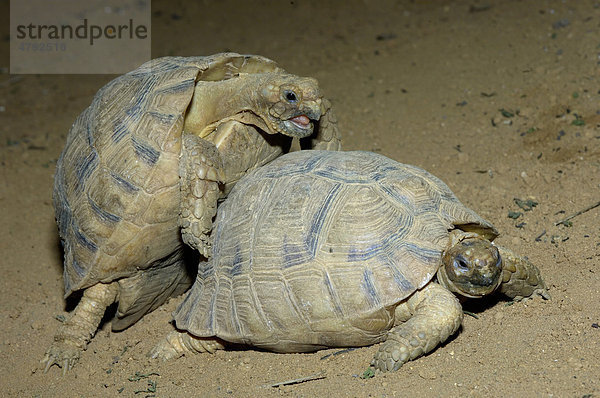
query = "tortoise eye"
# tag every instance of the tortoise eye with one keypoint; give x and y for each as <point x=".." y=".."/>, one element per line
<point x="290" y="96"/>
<point x="461" y="264"/>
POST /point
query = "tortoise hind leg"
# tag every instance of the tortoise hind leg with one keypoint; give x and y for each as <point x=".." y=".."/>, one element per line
<point x="74" y="335"/>
<point x="145" y="291"/>
<point x="177" y="343"/>
<point x="520" y="278"/>
<point x="433" y="314"/>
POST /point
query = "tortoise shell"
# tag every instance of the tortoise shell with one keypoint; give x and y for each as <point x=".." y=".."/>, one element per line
<point x="318" y="245"/>
<point x="116" y="191"/>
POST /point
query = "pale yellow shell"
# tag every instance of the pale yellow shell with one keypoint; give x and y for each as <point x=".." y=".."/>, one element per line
<point x="116" y="191"/>
<point x="317" y="243"/>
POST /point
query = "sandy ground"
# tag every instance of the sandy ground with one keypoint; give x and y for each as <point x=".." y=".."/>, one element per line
<point x="501" y="99"/>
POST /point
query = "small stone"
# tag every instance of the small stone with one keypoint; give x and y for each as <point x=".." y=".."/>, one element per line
<point x="37" y="325"/>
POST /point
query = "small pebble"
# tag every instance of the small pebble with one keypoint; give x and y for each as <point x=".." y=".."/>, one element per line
<point x="427" y="374"/>
<point x="37" y="325"/>
<point x="561" y="23"/>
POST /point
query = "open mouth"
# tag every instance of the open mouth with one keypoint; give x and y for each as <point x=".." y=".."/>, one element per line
<point x="301" y="121"/>
<point x="298" y="126"/>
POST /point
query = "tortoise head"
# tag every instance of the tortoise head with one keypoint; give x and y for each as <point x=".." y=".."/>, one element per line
<point x="471" y="267"/>
<point x="289" y="104"/>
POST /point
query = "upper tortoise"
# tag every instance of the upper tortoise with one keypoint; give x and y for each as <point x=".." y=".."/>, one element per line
<point x="328" y="249"/>
<point x="145" y="165"/>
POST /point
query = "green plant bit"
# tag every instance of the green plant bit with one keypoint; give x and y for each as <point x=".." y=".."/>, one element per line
<point x="151" y="388"/>
<point x="526" y="205"/>
<point x="531" y="130"/>
<point x="514" y="214"/>
<point x="368" y="374"/>
<point x="139" y="376"/>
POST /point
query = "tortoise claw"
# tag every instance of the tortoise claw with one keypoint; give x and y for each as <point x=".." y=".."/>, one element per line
<point x="63" y="356"/>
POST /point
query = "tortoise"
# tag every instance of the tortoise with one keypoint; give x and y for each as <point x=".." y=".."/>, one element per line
<point x="326" y="249"/>
<point x="145" y="165"/>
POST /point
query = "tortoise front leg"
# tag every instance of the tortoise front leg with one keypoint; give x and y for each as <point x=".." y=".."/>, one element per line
<point x="74" y="334"/>
<point x="520" y="278"/>
<point x="200" y="172"/>
<point x="328" y="136"/>
<point x="433" y="314"/>
<point x="177" y="343"/>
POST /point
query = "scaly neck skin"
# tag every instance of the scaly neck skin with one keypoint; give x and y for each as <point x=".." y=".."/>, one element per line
<point x="214" y="101"/>
<point x="442" y="279"/>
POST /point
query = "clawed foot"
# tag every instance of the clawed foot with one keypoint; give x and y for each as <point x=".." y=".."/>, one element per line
<point x="177" y="343"/>
<point x="542" y="292"/>
<point x="391" y="356"/>
<point x="164" y="351"/>
<point x="63" y="355"/>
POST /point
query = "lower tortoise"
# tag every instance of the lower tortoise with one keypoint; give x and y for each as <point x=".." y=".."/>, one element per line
<point x="338" y="249"/>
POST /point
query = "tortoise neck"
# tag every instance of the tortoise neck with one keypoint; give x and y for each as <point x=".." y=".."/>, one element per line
<point x="216" y="100"/>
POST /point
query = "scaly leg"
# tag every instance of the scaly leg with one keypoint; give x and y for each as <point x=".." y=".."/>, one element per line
<point x="74" y="335"/>
<point x="328" y="136"/>
<point x="433" y="313"/>
<point x="200" y="172"/>
<point x="178" y="343"/>
<point x="520" y="278"/>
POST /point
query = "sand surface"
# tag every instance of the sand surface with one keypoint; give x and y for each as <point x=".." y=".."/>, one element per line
<point x="500" y="99"/>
